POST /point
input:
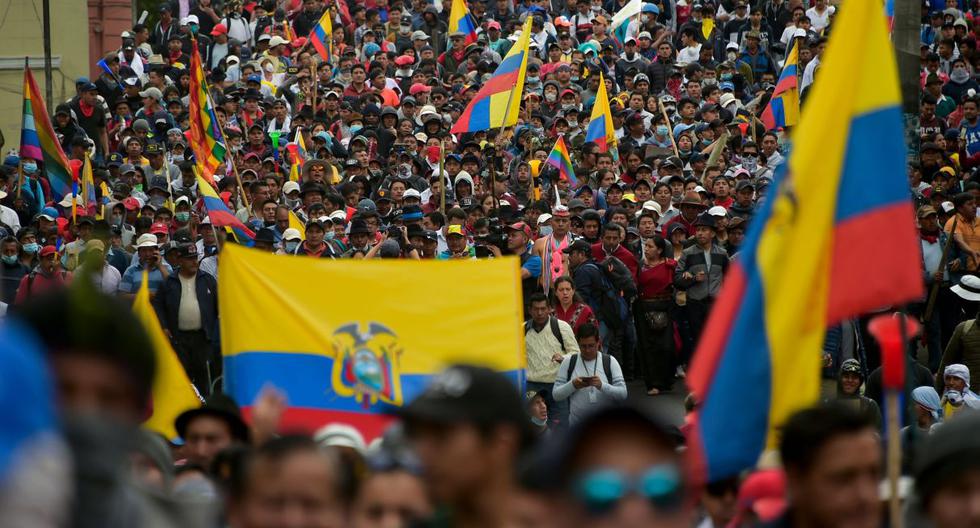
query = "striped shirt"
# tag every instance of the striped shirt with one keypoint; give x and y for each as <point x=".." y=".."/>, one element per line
<point x="133" y="278"/>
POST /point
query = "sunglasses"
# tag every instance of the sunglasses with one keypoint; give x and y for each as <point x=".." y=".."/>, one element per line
<point x="601" y="490"/>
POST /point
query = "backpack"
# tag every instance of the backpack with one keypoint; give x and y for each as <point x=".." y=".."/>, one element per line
<point x="553" y="323"/>
<point x="606" y="365"/>
<point x="612" y="308"/>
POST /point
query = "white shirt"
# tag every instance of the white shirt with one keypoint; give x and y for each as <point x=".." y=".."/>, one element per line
<point x="189" y="311"/>
<point x="808" y="73"/>
<point x="9" y="217"/>
<point x="108" y="280"/>
<point x="819" y="21"/>
<point x="583" y="401"/>
<point x="689" y="54"/>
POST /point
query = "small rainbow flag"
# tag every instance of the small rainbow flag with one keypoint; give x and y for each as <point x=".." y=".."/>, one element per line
<point x="38" y="140"/>
<point x="560" y="160"/>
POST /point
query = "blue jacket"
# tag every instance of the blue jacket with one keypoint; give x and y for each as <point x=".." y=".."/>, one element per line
<point x="167" y="303"/>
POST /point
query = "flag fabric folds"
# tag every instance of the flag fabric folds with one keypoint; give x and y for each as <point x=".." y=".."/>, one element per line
<point x="280" y="325"/>
<point x="173" y="392"/>
<point x="498" y="102"/>
<point x="783" y="109"/>
<point x="322" y="36"/>
<point x="38" y="140"/>
<point x="461" y="21"/>
<point x="560" y="160"/>
<point x="804" y="264"/>
<point x="295" y="223"/>
<point x="88" y="189"/>
<point x="297" y="156"/>
<point x="205" y="134"/>
<point x="219" y="213"/>
<point x="601" y="130"/>
<point x="619" y="26"/>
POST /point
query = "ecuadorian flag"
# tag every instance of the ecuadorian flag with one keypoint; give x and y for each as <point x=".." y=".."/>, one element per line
<point x="322" y="36"/>
<point x="461" y="21"/>
<point x="220" y="214"/>
<point x="783" y="109"/>
<point x="805" y="262"/>
<point x="498" y="102"/>
<point x="601" y="130"/>
<point x="359" y="360"/>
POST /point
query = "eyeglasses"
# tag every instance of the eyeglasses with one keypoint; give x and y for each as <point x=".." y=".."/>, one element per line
<point x="601" y="490"/>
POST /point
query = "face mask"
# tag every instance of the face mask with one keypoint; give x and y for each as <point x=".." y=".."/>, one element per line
<point x="544" y="230"/>
<point x="959" y="76"/>
<point x="750" y="163"/>
<point x="550" y="96"/>
<point x="732" y="56"/>
<point x="177" y="158"/>
<point x="662" y="130"/>
<point x="269" y="68"/>
<point x="157" y="201"/>
<point x="726" y="76"/>
<point x="537" y="130"/>
<point x="645" y="18"/>
<point x="183" y="216"/>
<point x="292" y="202"/>
<point x="572" y="123"/>
<point x="538" y="421"/>
<point x="10" y="260"/>
<point x="567" y="107"/>
<point x="533" y="80"/>
<point x="575" y="78"/>
<point x="30" y="167"/>
<point x="595" y="9"/>
<point x="685" y="151"/>
<point x="329" y="235"/>
<point x="355" y="129"/>
<point x="291" y="246"/>
<point x="117" y="220"/>
<point x="31" y="248"/>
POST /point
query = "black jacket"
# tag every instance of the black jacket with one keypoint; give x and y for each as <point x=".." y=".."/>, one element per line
<point x="167" y="303"/>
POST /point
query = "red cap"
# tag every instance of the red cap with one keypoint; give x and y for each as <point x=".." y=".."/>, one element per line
<point x="48" y="250"/>
<point x="419" y="88"/>
<point x="521" y="226"/>
<point x="131" y="204"/>
<point x="764" y="494"/>
<point x="404" y="60"/>
<point x="159" y="228"/>
<point x="493" y="24"/>
<point x="567" y="91"/>
<point x="219" y="29"/>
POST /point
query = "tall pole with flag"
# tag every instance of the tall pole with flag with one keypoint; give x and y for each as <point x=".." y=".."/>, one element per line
<point x="38" y="140"/>
<point x="205" y="134"/>
<point x="601" y="130"/>
<point x="783" y="109"/>
<point x="803" y="265"/>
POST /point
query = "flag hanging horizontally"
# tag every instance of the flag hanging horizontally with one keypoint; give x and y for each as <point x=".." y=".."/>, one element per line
<point x="322" y="36"/>
<point x="804" y="263"/>
<point x="498" y="102"/>
<point x="461" y="21"/>
<point x="560" y="160"/>
<point x="173" y="392"/>
<point x="601" y="130"/>
<point x="220" y="214"/>
<point x="783" y="109"/>
<point x="280" y="326"/>
<point x="38" y="140"/>
<point x="619" y="26"/>
<point x="205" y="133"/>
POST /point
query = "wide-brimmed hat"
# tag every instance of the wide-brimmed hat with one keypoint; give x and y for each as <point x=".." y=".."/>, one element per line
<point x="219" y="406"/>
<point x="968" y="288"/>
<point x="705" y="220"/>
<point x="693" y="199"/>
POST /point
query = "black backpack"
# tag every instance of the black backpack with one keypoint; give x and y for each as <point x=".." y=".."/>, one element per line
<point x="606" y="365"/>
<point x="553" y="323"/>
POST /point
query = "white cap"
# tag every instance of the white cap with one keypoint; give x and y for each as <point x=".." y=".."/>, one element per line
<point x="289" y="187"/>
<point x="339" y="214"/>
<point x="947" y="207"/>
<point x="731" y="45"/>
<point x="232" y="58"/>
<point x="718" y="211"/>
<point x="182" y="199"/>
<point x="543" y="219"/>
<point x="650" y="205"/>
<point x="146" y="240"/>
<point x="340" y="435"/>
<point x="412" y="193"/>
<point x="291" y="234"/>
<point x="277" y="41"/>
<point x="700" y="189"/>
<point x="189" y="19"/>
<point x="66" y="201"/>
<point x="800" y="32"/>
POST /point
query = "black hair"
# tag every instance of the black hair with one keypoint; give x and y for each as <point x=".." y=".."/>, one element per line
<point x="962" y="198"/>
<point x="587" y="330"/>
<point x="537" y="297"/>
<point x="808" y="431"/>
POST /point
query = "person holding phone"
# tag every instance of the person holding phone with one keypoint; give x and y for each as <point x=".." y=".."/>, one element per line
<point x="589" y="379"/>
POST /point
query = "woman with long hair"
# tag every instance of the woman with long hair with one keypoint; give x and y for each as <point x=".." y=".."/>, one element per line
<point x="568" y="306"/>
<point x="654" y="321"/>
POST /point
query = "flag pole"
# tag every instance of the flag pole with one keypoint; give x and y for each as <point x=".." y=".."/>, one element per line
<point x="670" y="131"/>
<point x="316" y="85"/>
<point x="442" y="178"/>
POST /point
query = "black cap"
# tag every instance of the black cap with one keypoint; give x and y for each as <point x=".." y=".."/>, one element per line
<point x="220" y="406"/>
<point x="579" y="245"/>
<point x="265" y="235"/>
<point x="468" y="394"/>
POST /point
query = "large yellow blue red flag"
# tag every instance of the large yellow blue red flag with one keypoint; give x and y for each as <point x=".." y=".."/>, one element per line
<point x="172" y="391"/>
<point x="601" y="130"/>
<point x="460" y="21"/>
<point x="804" y="264"/>
<point x="498" y="102"/>
<point x="322" y="35"/>
<point x="204" y="136"/>
<point x="345" y="347"/>
<point x="783" y="109"/>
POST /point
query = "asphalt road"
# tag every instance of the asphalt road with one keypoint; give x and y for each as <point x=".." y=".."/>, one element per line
<point x="669" y="405"/>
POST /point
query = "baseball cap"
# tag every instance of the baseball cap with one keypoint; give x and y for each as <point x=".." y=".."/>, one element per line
<point x="926" y="210"/>
<point x="291" y="234"/>
<point x="290" y="187"/>
<point x="522" y="227"/>
<point x="455" y="230"/>
<point x="48" y="250"/>
<point x="146" y="240"/>
<point x="578" y="245"/>
<point x="462" y="394"/>
<point x="159" y="228"/>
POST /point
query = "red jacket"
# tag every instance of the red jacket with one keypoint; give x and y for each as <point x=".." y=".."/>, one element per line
<point x="35" y="282"/>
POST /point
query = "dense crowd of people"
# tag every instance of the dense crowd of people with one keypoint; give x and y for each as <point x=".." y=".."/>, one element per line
<point x="620" y="265"/>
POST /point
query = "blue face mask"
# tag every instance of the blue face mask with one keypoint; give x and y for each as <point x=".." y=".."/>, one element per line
<point x="291" y="246"/>
<point x="355" y="129"/>
<point x="544" y="230"/>
<point x="329" y="235"/>
<point x="32" y="248"/>
<point x="30" y="167"/>
<point x="182" y="216"/>
<point x="9" y="260"/>
<point x="726" y="76"/>
<point x="662" y="130"/>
